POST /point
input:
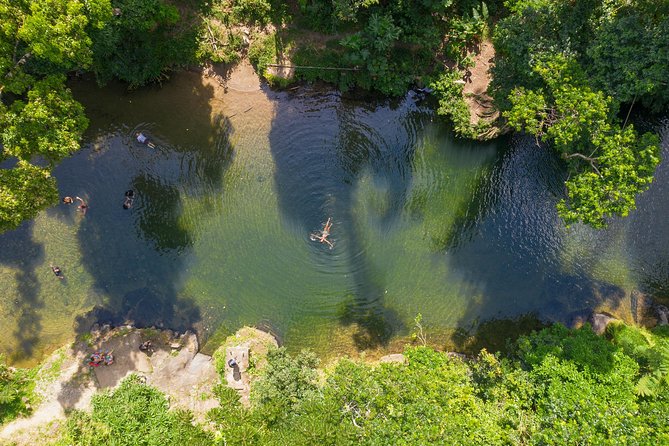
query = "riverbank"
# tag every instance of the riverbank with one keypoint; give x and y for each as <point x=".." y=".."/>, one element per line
<point x="288" y="386"/>
<point x="173" y="365"/>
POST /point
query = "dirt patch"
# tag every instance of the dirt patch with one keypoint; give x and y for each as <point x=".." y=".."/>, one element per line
<point x="477" y="80"/>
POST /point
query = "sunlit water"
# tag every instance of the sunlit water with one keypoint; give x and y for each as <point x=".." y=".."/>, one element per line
<point x="218" y="236"/>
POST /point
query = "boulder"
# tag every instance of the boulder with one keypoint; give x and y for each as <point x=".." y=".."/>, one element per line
<point x="599" y="322"/>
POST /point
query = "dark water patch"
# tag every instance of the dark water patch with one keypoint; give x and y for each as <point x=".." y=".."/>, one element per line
<point x="497" y="335"/>
<point x="514" y="255"/>
<point x="647" y="229"/>
<point x="23" y="254"/>
<point x="138" y="256"/>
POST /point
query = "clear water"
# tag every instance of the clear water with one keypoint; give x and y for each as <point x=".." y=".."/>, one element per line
<point x="218" y="236"/>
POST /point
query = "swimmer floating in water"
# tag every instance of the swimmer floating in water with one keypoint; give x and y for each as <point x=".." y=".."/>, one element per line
<point x="143" y="139"/>
<point x="68" y="200"/>
<point x="323" y="236"/>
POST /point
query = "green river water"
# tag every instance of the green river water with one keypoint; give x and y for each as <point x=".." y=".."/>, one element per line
<point x="218" y="236"/>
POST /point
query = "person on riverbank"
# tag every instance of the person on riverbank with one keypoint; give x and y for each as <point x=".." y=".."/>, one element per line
<point x="96" y="359"/>
<point x="143" y="139"/>
<point x="57" y="271"/>
<point x="323" y="236"/>
<point x="83" y="207"/>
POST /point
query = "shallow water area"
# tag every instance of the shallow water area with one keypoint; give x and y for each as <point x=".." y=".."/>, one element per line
<point x="218" y="234"/>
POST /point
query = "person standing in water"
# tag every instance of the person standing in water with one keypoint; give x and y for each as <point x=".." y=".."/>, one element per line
<point x="143" y="139"/>
<point x="129" y="198"/>
<point x="83" y="207"/>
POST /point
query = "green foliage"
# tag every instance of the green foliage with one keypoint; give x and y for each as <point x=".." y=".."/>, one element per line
<point x="392" y="44"/>
<point x="370" y="50"/>
<point x="132" y="414"/>
<point x="258" y="13"/>
<point x="39" y="119"/>
<point x="560" y="387"/>
<point x="584" y="391"/>
<point x="651" y="351"/>
<point x="15" y="390"/>
<point x="50" y="124"/>
<point x="609" y="166"/>
<point x="262" y="52"/>
<point x="286" y="381"/>
<point x="144" y="41"/>
<point x="24" y="191"/>
<point x="218" y="44"/>
<point x="55" y="30"/>
<point x="627" y="57"/>
<point x="448" y="90"/>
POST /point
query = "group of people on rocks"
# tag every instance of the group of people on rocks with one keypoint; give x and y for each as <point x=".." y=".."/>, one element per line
<point x="99" y="358"/>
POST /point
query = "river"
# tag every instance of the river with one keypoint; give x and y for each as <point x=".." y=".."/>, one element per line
<point x="218" y="235"/>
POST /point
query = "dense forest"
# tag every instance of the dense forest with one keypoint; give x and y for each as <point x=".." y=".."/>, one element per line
<point x="569" y="73"/>
<point x="551" y="387"/>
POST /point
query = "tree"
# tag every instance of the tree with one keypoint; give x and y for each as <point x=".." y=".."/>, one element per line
<point x="56" y="30"/>
<point x="141" y="42"/>
<point x="49" y="125"/>
<point x="24" y="191"/>
<point x="608" y="165"/>
<point x="40" y="122"/>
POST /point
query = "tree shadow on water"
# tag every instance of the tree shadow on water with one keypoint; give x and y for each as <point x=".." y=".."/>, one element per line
<point x="139" y="257"/>
<point x="322" y="145"/>
<point x="515" y="259"/>
<point x="19" y="251"/>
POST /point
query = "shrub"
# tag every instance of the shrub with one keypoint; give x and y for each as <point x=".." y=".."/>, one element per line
<point x="133" y="414"/>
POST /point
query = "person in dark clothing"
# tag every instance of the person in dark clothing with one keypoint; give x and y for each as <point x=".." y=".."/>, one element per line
<point x="57" y="271"/>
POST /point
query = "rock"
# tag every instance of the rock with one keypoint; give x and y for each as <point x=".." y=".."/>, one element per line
<point x="662" y="315"/>
<point x="395" y="357"/>
<point x="237" y="375"/>
<point x="175" y="346"/>
<point x="599" y="322"/>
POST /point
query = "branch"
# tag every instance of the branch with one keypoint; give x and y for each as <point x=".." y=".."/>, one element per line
<point x="592" y="161"/>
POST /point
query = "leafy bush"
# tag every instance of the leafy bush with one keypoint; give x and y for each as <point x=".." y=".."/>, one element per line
<point x="262" y="52"/>
<point x="285" y="383"/>
<point x="140" y="44"/>
<point x="15" y="390"/>
<point x="562" y="71"/>
<point x="651" y="351"/>
<point x="448" y="92"/>
<point x="132" y="414"/>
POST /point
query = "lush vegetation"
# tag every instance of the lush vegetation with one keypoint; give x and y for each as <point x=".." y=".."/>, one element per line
<point x="567" y="72"/>
<point x="555" y="387"/>
<point x="15" y="391"/>
<point x="132" y="414"/>
<point x="43" y="41"/>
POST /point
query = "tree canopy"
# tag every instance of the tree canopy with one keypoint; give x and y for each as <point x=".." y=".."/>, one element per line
<point x="563" y="71"/>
